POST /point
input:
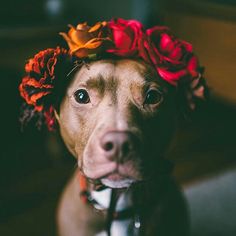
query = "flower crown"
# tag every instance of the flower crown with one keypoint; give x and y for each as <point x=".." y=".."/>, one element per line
<point x="172" y="58"/>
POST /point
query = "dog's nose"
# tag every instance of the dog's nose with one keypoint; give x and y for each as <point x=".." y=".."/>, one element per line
<point x="118" y="145"/>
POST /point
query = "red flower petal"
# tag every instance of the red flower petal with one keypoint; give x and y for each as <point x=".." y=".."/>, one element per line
<point x="157" y="30"/>
<point x="171" y="77"/>
<point x="192" y="64"/>
<point x="154" y="56"/>
<point x="143" y="53"/>
<point x="126" y="36"/>
<point x="188" y="47"/>
<point x="176" y="54"/>
<point x="166" y="43"/>
<point x="50" y="119"/>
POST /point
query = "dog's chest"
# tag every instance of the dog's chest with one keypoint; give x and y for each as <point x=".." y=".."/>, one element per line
<point x="125" y="226"/>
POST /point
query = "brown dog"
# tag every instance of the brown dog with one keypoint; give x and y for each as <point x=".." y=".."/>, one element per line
<point x="117" y="119"/>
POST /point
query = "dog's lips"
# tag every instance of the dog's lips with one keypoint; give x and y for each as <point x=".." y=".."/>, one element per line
<point x="111" y="170"/>
<point x="115" y="176"/>
<point x="121" y="172"/>
<point x="116" y="180"/>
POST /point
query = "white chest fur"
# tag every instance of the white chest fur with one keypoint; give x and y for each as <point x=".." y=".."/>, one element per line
<point x="121" y="227"/>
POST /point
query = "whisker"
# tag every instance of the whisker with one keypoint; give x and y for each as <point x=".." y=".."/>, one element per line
<point x="73" y="69"/>
<point x="78" y="64"/>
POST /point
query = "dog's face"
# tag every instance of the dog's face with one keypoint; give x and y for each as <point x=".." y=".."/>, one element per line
<point x="116" y="119"/>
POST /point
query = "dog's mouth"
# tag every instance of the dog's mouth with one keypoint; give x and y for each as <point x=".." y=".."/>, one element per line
<point x="112" y="173"/>
<point x="114" y="176"/>
<point x="116" y="180"/>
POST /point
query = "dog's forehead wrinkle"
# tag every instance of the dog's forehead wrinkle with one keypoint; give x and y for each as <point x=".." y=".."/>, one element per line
<point x="104" y="69"/>
<point x="111" y="72"/>
<point x="134" y="76"/>
<point x="103" y="78"/>
<point x="99" y="71"/>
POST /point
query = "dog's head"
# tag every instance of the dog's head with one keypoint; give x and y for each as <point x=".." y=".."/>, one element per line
<point x="117" y="114"/>
<point x="116" y="118"/>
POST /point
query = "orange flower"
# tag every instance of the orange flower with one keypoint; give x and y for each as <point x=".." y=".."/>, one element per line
<point x="39" y="80"/>
<point x="85" y="40"/>
<point x="32" y="99"/>
<point x="37" y="87"/>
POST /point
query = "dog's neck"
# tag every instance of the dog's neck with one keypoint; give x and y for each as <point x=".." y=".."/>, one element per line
<point x="122" y="217"/>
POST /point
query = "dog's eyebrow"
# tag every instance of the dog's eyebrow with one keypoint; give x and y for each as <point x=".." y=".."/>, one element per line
<point x="97" y="82"/>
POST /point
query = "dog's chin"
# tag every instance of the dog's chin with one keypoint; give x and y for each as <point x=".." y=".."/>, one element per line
<point x="122" y="183"/>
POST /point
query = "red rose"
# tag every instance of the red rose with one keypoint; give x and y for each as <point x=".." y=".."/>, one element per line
<point x="39" y="81"/>
<point x="172" y="57"/>
<point x="126" y="36"/>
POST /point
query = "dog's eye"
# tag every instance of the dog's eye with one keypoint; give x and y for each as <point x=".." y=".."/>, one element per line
<point x="81" y="96"/>
<point x="153" y="97"/>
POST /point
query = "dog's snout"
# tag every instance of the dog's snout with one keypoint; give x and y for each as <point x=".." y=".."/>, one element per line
<point x="118" y="145"/>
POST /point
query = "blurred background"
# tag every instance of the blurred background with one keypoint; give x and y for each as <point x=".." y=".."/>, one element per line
<point x="34" y="165"/>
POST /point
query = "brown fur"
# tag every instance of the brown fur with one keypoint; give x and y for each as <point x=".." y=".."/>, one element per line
<point x="117" y="90"/>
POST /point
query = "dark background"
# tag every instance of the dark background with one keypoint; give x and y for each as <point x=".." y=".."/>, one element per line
<point x="34" y="165"/>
